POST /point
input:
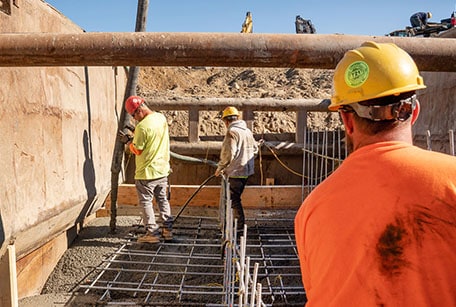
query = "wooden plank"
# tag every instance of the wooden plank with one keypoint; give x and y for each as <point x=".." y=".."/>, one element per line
<point x="122" y="210"/>
<point x="272" y="197"/>
<point x="34" y="269"/>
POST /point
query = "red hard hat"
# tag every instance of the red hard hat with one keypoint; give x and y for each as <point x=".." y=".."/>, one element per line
<point x="132" y="103"/>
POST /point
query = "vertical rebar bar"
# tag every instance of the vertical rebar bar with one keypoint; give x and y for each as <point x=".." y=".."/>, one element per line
<point x="428" y="140"/>
<point x="451" y="135"/>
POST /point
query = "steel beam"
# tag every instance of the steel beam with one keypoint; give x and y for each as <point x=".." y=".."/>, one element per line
<point x="207" y="49"/>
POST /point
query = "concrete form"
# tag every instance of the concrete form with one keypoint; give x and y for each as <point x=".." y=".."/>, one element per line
<point x="58" y="126"/>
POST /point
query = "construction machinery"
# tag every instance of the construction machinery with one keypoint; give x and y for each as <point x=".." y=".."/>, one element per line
<point x="247" y="26"/>
<point x="304" y="26"/>
<point x="429" y="30"/>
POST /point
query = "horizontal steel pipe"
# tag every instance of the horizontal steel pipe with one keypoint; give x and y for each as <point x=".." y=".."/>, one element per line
<point x="257" y="104"/>
<point x="207" y="49"/>
<point x="213" y="148"/>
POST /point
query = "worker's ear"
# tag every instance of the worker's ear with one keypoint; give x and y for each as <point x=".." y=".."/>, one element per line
<point x="416" y="112"/>
<point x="347" y="119"/>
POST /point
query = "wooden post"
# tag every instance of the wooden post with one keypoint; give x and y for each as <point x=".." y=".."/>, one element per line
<point x="13" y="275"/>
<point x="193" y="125"/>
<point x="8" y="286"/>
<point x="301" y="123"/>
<point x="247" y="115"/>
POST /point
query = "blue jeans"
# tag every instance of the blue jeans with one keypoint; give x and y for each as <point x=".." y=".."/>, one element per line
<point x="416" y="22"/>
<point x="147" y="190"/>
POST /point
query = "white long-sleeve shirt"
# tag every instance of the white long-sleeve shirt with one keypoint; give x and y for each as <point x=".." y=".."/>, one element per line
<point x="238" y="152"/>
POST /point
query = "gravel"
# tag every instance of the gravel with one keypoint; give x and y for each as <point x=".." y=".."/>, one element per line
<point x="88" y="250"/>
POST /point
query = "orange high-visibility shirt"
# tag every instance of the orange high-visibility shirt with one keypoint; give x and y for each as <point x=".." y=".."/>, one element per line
<point x="381" y="230"/>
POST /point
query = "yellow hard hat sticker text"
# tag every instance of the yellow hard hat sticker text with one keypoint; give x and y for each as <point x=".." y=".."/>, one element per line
<point x="356" y="74"/>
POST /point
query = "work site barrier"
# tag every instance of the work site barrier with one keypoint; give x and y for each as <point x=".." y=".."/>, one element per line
<point x="247" y="106"/>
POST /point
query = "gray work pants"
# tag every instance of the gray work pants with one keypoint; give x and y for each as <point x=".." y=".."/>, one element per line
<point x="147" y="190"/>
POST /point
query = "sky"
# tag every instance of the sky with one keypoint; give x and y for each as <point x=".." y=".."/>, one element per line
<point x="354" y="17"/>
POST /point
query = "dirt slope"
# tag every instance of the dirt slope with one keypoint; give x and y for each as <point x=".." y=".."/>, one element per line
<point x="215" y="82"/>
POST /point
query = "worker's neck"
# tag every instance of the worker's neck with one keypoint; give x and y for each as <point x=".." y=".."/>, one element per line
<point x="395" y="135"/>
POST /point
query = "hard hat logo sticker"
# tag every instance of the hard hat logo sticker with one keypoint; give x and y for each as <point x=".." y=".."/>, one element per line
<point x="356" y="74"/>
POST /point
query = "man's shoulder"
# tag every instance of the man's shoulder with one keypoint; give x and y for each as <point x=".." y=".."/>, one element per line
<point x="239" y="124"/>
<point x="154" y="118"/>
<point x="156" y="114"/>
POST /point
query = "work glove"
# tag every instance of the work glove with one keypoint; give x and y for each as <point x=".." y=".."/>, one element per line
<point x="124" y="137"/>
<point x="218" y="172"/>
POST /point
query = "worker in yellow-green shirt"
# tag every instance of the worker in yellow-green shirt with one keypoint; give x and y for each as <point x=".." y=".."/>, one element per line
<point x="150" y="145"/>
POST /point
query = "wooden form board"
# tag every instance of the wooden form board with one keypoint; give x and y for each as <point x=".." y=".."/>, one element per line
<point x="254" y="197"/>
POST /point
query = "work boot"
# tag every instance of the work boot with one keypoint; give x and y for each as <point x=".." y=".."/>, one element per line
<point x="148" y="238"/>
<point x="167" y="234"/>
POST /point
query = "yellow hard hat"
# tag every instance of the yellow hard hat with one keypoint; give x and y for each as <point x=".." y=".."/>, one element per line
<point x="371" y="71"/>
<point x="429" y="15"/>
<point x="230" y="111"/>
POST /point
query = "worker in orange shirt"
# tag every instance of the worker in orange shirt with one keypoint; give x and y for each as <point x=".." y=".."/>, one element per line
<point x="381" y="230"/>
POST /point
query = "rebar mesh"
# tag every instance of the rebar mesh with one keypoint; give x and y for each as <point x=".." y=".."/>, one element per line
<point x="193" y="268"/>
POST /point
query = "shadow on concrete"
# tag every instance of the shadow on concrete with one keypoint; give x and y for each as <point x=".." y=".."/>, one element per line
<point x="88" y="166"/>
<point x="2" y="231"/>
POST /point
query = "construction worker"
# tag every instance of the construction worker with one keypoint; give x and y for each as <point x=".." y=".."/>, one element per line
<point x="247" y="26"/>
<point x="420" y="19"/>
<point x="237" y="155"/>
<point x="381" y="229"/>
<point x="150" y="145"/>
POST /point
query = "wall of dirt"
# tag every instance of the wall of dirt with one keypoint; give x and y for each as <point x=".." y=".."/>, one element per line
<point x="58" y="132"/>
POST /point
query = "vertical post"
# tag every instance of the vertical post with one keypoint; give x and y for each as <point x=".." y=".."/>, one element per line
<point x="130" y="90"/>
<point x="12" y="275"/>
<point x="254" y="283"/>
<point x="247" y="116"/>
<point x="451" y="134"/>
<point x="428" y="140"/>
<point x="301" y="124"/>
<point x="193" y="125"/>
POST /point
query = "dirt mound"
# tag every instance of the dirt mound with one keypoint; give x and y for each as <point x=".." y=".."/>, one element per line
<point x="172" y="83"/>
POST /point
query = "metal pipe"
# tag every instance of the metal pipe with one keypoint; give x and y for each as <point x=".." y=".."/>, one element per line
<point x="258" y="104"/>
<point x="208" y="49"/>
<point x="117" y="157"/>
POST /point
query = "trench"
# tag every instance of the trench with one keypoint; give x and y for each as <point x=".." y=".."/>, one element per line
<point x="209" y="264"/>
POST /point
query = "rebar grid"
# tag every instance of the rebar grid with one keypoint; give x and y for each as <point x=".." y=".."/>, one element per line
<point x="192" y="269"/>
<point x="270" y="246"/>
<point x="202" y="266"/>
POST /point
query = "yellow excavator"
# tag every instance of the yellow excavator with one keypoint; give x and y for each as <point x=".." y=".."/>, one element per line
<point x="247" y="26"/>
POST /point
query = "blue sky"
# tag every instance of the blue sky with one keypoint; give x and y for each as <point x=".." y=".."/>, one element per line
<point x="357" y="17"/>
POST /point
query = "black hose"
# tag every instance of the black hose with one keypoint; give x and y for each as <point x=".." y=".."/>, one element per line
<point x="191" y="197"/>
